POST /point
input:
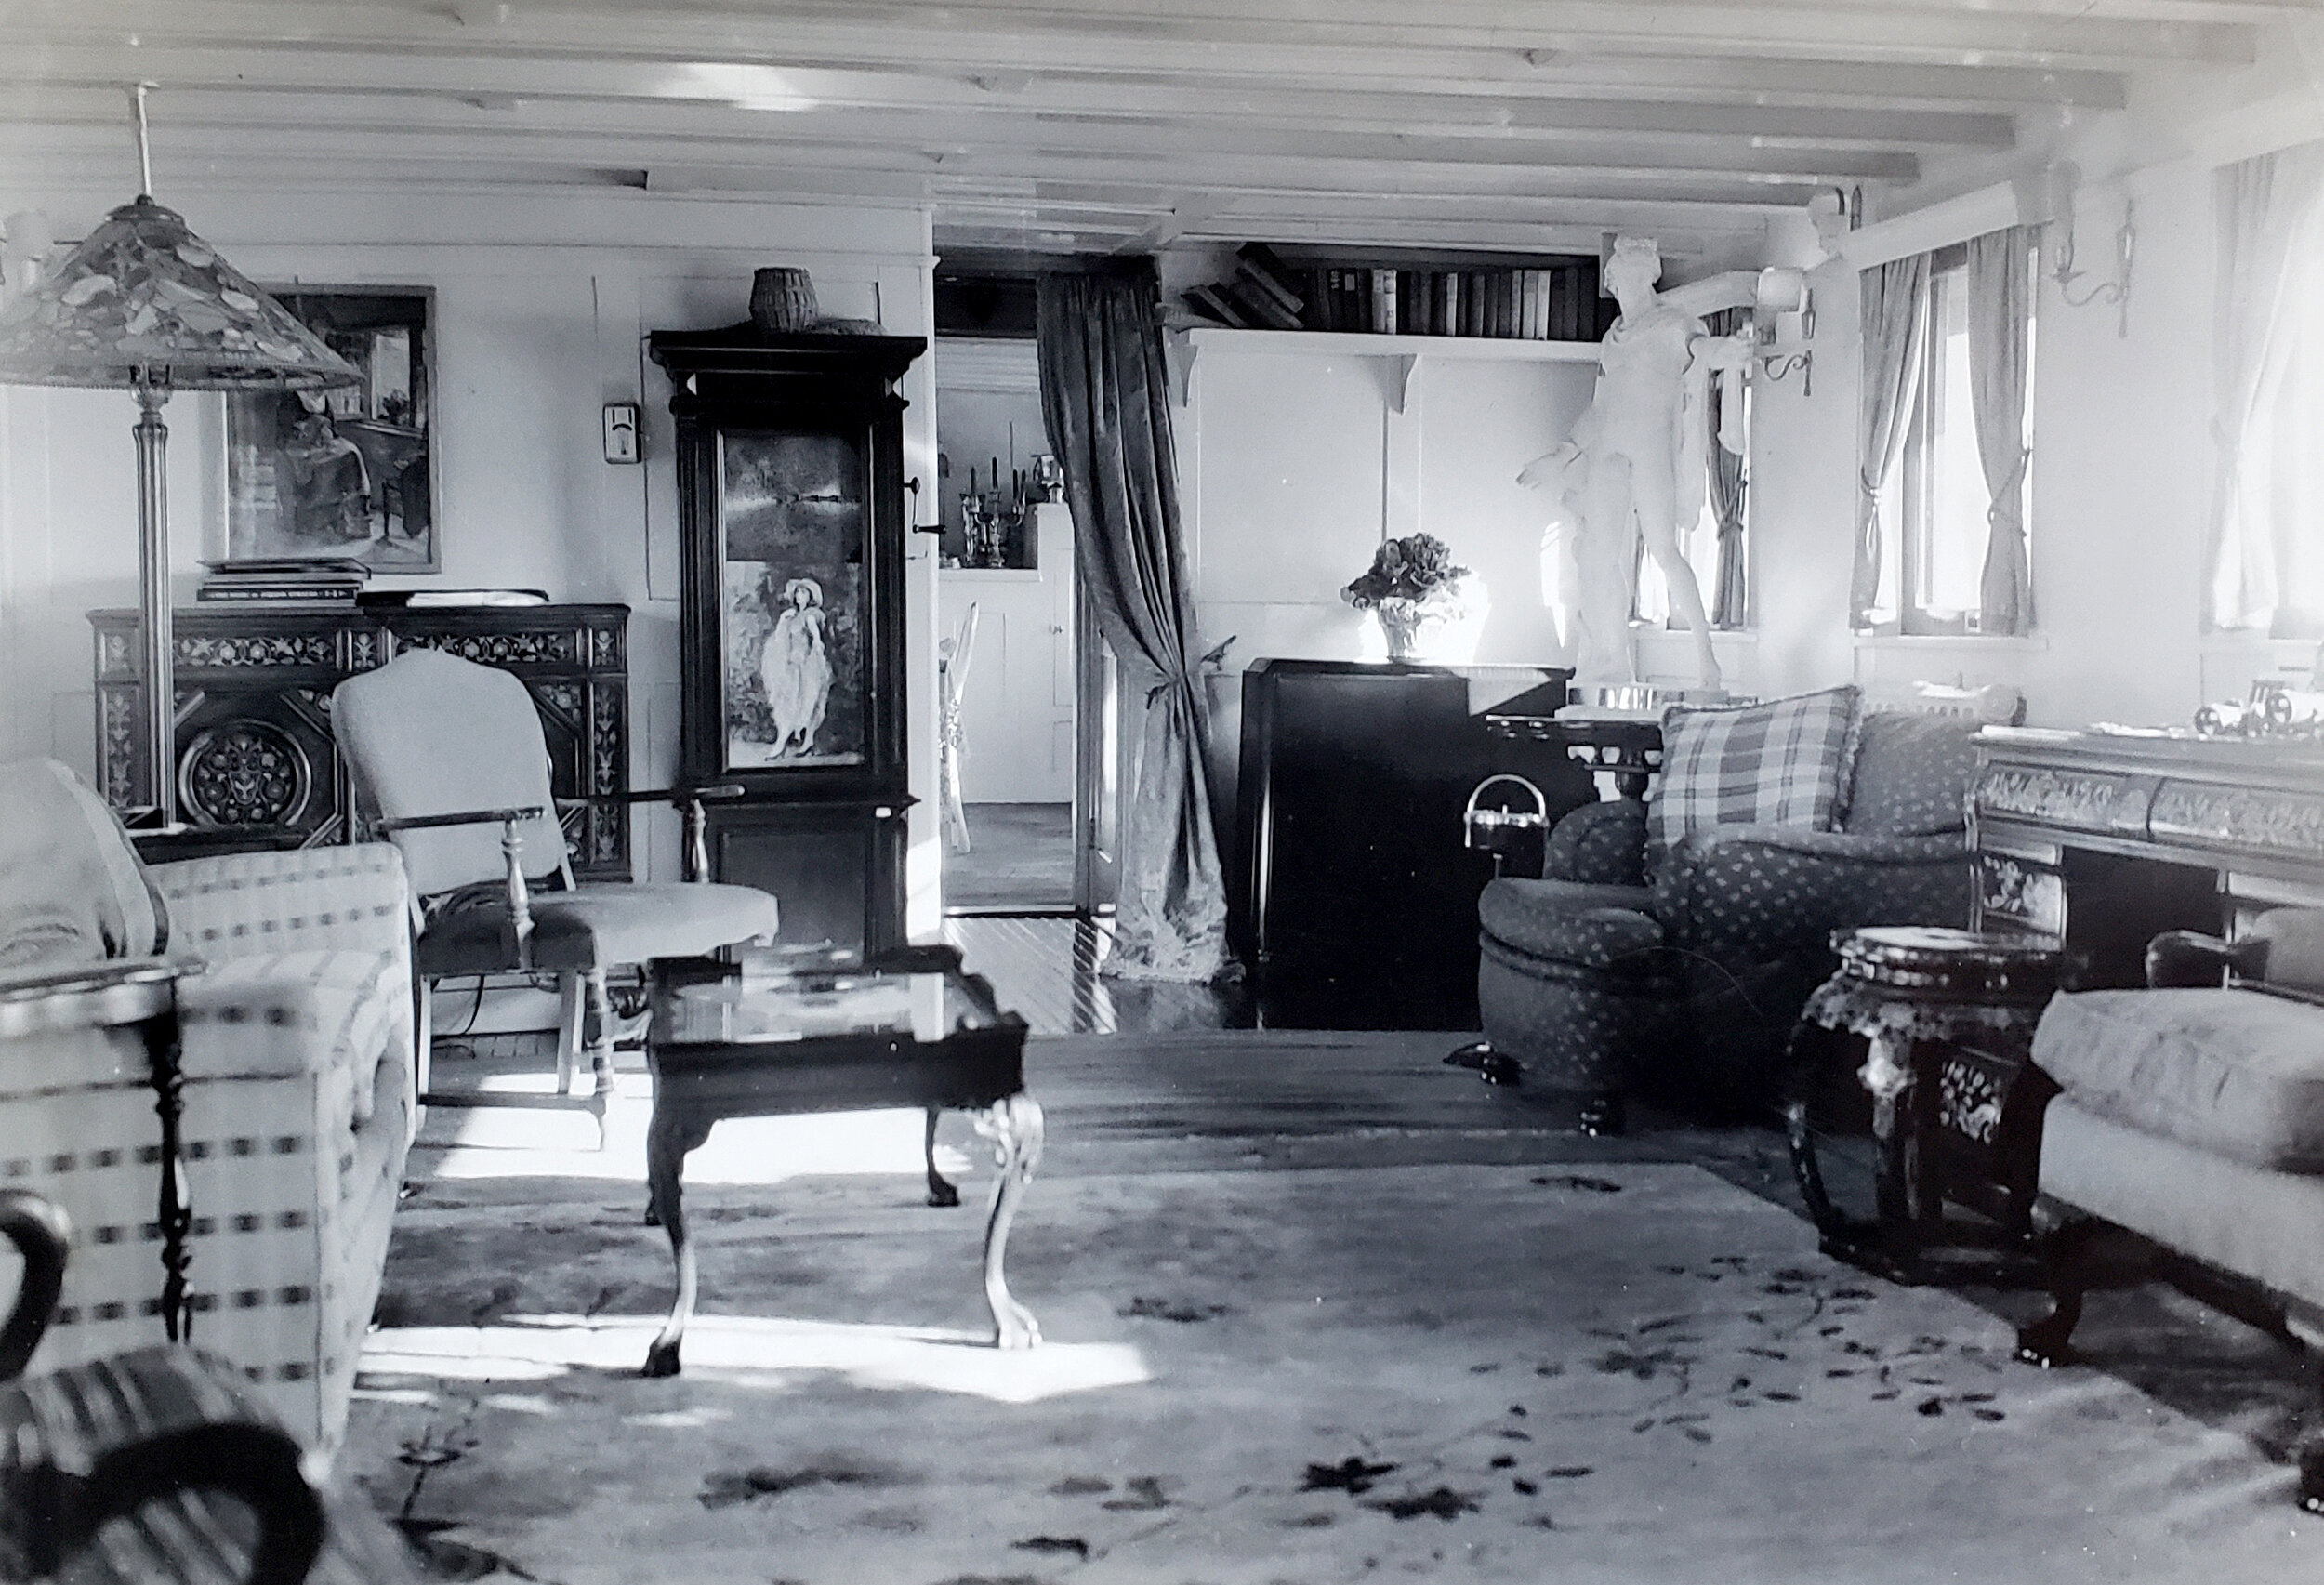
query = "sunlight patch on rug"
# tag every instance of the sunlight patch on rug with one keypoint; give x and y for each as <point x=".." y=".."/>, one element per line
<point x="750" y="1352"/>
<point x="487" y="1142"/>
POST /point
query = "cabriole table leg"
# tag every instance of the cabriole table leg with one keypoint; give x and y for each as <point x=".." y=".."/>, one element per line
<point x="1013" y="1122"/>
<point x="667" y="1141"/>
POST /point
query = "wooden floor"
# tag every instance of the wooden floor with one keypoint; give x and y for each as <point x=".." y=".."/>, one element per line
<point x="1020" y="858"/>
<point x="1046" y="970"/>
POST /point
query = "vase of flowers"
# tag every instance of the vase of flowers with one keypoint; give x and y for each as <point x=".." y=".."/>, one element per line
<point x="1427" y="604"/>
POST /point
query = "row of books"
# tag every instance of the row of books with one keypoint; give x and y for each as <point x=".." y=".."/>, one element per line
<point x="1556" y="302"/>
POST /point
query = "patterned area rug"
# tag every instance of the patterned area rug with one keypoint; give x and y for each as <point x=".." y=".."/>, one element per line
<point x="1619" y="1372"/>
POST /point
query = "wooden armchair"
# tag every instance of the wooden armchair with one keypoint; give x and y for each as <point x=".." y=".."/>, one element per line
<point x="452" y="758"/>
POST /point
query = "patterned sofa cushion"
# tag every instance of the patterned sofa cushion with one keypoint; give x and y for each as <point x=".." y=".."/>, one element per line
<point x="1779" y="763"/>
<point x="2232" y="1072"/>
<point x="1912" y="774"/>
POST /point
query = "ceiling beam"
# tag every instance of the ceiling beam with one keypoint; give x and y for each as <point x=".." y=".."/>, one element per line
<point x="1082" y="34"/>
<point x="1728" y="64"/>
<point x="950" y="139"/>
<point x="413" y="99"/>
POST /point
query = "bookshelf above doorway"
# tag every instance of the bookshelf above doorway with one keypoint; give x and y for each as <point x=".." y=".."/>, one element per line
<point x="1494" y="297"/>
<point x="1397" y="352"/>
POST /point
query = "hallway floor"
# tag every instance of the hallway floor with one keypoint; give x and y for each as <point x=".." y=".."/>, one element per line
<point x="1020" y="858"/>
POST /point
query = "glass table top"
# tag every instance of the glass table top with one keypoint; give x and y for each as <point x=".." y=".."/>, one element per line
<point x="773" y="997"/>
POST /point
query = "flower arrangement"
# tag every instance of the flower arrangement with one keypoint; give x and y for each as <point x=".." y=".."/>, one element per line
<point x="1412" y="568"/>
<point x="1421" y="598"/>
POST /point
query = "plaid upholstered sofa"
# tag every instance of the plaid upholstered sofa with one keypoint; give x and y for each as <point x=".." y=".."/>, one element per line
<point x="298" y="1104"/>
<point x="1671" y="943"/>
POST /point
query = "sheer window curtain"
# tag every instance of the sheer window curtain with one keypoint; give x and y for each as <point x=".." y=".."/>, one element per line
<point x="2268" y="374"/>
<point x="1105" y="399"/>
<point x="2001" y="327"/>
<point x="1896" y="314"/>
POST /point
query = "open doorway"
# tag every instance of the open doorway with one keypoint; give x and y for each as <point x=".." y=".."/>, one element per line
<point x="1011" y="641"/>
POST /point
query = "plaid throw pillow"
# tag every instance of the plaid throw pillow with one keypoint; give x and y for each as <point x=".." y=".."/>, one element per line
<point x="1780" y="763"/>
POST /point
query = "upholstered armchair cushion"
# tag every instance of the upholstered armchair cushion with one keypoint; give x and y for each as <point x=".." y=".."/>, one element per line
<point x="1761" y="891"/>
<point x="2233" y="1073"/>
<point x="1910" y="776"/>
<point x="1780" y="763"/>
<point x="1594" y="927"/>
<point x="596" y="926"/>
<point x="1599" y="845"/>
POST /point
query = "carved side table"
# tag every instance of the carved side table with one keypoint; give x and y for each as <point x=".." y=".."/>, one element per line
<point x="776" y="1035"/>
<point x="1946" y="1018"/>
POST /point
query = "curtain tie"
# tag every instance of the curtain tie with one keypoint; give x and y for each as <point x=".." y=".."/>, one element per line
<point x="1180" y="684"/>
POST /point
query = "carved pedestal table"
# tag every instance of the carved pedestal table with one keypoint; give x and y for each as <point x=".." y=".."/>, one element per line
<point x="1946" y="1018"/>
<point x="777" y="1035"/>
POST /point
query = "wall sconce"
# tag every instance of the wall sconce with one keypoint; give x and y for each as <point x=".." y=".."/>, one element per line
<point x="1782" y="293"/>
<point x="2065" y="178"/>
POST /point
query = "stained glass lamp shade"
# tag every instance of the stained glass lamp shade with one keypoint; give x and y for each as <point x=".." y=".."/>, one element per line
<point x="145" y="305"/>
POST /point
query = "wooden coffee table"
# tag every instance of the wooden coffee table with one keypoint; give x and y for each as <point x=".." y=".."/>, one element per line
<point x="775" y="1035"/>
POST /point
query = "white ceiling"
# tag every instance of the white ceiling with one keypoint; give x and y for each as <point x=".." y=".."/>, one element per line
<point x="1127" y="125"/>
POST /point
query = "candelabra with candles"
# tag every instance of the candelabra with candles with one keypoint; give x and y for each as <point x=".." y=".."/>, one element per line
<point x="992" y="519"/>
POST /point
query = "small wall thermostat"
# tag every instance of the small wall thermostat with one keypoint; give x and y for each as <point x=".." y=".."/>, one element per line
<point x="621" y="432"/>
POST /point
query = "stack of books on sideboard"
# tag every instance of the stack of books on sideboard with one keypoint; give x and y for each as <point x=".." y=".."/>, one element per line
<point x="1553" y="301"/>
<point x="292" y="581"/>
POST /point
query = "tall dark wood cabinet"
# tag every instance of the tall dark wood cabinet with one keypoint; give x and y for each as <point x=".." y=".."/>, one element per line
<point x="790" y="498"/>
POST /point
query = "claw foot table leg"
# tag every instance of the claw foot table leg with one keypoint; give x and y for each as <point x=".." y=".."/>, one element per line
<point x="1013" y="1124"/>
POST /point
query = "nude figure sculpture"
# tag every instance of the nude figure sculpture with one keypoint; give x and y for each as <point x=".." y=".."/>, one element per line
<point x="1635" y="464"/>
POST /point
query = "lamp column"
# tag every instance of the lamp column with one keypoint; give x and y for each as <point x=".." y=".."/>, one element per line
<point x="161" y="704"/>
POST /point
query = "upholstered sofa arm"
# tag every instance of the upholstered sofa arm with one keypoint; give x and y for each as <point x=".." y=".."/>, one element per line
<point x="337" y="1017"/>
<point x="1760" y="891"/>
<point x="330" y="899"/>
<point x="1599" y="845"/>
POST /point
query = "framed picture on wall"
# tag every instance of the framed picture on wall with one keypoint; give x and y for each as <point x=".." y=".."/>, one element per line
<point x="791" y="534"/>
<point x="346" y="473"/>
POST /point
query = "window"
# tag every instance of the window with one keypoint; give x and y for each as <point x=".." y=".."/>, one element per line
<point x="1932" y="509"/>
<point x="1699" y="541"/>
<point x="2269" y="571"/>
<point x="1700" y="544"/>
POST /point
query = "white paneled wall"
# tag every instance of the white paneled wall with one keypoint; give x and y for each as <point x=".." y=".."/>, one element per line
<point x="542" y="306"/>
<point x="1298" y="456"/>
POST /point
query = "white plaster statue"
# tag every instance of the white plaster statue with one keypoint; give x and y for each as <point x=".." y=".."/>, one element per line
<point x="1635" y="464"/>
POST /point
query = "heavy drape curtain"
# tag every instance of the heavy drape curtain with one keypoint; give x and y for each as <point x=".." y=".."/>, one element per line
<point x="1896" y="316"/>
<point x="1105" y="399"/>
<point x="2265" y="209"/>
<point x="2001" y="333"/>
<point x="1729" y="482"/>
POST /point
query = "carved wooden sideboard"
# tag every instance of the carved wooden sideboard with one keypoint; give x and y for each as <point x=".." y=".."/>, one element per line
<point x="258" y="763"/>
<point x="2104" y="840"/>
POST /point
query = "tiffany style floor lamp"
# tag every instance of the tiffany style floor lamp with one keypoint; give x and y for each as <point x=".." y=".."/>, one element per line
<point x="146" y="306"/>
